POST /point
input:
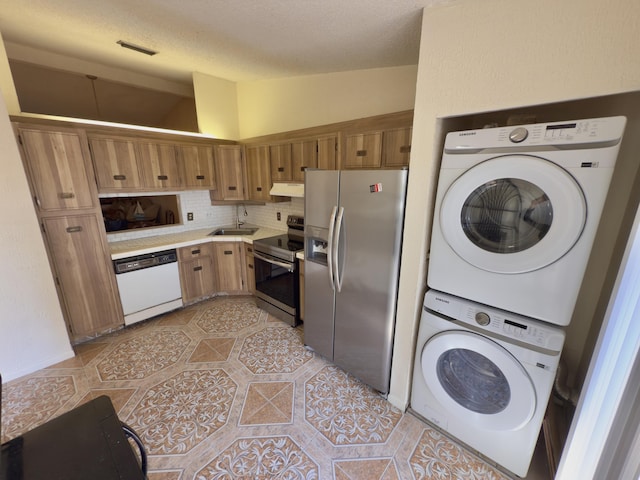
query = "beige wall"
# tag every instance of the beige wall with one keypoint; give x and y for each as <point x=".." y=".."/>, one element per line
<point x="32" y="331"/>
<point x="216" y="106"/>
<point x="491" y="55"/>
<point x="280" y="105"/>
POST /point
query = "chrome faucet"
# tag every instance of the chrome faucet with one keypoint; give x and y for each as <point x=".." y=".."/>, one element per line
<point x="238" y="222"/>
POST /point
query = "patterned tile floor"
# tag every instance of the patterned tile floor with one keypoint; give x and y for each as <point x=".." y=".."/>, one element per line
<point x="222" y="390"/>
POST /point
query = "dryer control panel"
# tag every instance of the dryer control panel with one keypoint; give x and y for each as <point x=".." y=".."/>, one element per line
<point x="495" y="321"/>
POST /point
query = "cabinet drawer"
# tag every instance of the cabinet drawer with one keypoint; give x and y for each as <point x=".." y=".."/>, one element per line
<point x="195" y="251"/>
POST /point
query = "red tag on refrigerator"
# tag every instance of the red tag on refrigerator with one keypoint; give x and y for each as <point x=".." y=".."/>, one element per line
<point x="376" y="187"/>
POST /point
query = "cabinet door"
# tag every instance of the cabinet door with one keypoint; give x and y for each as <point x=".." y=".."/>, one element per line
<point x="159" y="166"/>
<point x="280" y="159"/>
<point x="304" y="154"/>
<point x="230" y="170"/>
<point x="396" y="147"/>
<point x="115" y="164"/>
<point x="250" y="273"/>
<point x="229" y="266"/>
<point x="199" y="169"/>
<point x="259" y="173"/>
<point x="327" y="152"/>
<point x="59" y="168"/>
<point x="364" y="150"/>
<point x="84" y="273"/>
<point x="197" y="278"/>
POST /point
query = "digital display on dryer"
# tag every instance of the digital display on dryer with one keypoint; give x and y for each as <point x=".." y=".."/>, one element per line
<point x="561" y="126"/>
<point x="519" y="325"/>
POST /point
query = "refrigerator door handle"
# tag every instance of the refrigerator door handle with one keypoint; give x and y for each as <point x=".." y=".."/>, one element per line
<point x="332" y="224"/>
<point x="336" y="242"/>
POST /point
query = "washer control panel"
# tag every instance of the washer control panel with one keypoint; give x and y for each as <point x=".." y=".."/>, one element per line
<point x="495" y="321"/>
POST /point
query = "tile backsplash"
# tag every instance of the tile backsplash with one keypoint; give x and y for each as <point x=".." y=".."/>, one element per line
<point x="206" y="215"/>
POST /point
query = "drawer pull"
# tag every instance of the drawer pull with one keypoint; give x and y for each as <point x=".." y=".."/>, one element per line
<point x="281" y="169"/>
<point x="361" y="153"/>
<point x="199" y="177"/>
<point x="163" y="177"/>
<point x="303" y="168"/>
<point x="249" y="249"/>
<point x="259" y="189"/>
<point x="66" y="195"/>
<point x="119" y="177"/>
<point x="250" y="266"/>
<point x="233" y="188"/>
<point x="228" y="252"/>
<point x="74" y="229"/>
<point x="195" y="252"/>
<point x="405" y="149"/>
<point x="197" y="269"/>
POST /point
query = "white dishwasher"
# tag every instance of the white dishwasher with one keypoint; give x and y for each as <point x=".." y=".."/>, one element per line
<point x="149" y="285"/>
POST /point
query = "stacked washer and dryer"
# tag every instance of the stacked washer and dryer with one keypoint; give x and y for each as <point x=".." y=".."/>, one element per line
<point x="516" y="214"/>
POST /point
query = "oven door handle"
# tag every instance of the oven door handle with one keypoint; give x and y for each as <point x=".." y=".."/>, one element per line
<point x="290" y="267"/>
<point x="332" y="225"/>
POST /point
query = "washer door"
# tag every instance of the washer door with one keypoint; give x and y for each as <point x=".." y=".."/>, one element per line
<point x="478" y="381"/>
<point x="513" y="214"/>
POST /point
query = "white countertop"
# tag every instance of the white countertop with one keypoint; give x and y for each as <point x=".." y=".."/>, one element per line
<point x="140" y="246"/>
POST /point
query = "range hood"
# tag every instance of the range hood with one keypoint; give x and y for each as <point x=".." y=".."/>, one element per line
<point x="287" y="190"/>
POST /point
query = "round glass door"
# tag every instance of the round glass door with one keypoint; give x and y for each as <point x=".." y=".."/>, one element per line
<point x="474" y="378"/>
<point x="513" y="214"/>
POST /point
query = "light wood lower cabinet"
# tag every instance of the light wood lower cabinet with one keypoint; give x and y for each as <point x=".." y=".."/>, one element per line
<point x="84" y="274"/>
<point x="197" y="272"/>
<point x="250" y="273"/>
<point x="229" y="259"/>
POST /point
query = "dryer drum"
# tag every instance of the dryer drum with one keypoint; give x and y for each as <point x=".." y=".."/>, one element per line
<point x="507" y="215"/>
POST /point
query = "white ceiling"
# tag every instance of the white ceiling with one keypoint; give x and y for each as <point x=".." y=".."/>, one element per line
<point x="238" y="40"/>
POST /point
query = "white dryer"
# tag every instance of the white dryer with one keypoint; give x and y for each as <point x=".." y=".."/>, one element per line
<point x="517" y="210"/>
<point x="485" y="376"/>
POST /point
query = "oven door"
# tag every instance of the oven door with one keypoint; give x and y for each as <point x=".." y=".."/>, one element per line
<point x="277" y="284"/>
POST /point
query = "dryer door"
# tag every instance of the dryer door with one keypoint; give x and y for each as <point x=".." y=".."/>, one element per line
<point x="513" y="214"/>
<point x="477" y="380"/>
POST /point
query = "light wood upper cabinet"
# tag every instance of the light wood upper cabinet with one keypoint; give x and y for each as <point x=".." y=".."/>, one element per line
<point x="59" y="168"/>
<point x="199" y="169"/>
<point x="304" y="154"/>
<point x="280" y="159"/>
<point x="228" y="258"/>
<point x="396" y="147"/>
<point x="159" y="166"/>
<point x="259" y="173"/>
<point x="82" y="266"/>
<point x="115" y="163"/>
<point x="364" y="150"/>
<point x="230" y="170"/>
<point x="327" y="152"/>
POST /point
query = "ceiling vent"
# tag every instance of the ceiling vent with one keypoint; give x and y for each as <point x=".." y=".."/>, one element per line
<point x="136" y="48"/>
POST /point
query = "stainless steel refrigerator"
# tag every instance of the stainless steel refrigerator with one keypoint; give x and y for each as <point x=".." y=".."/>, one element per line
<point x="353" y="238"/>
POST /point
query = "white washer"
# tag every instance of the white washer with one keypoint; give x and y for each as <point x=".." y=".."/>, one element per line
<point x="517" y="210"/>
<point x="485" y="376"/>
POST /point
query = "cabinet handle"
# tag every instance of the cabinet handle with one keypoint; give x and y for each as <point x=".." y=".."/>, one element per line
<point x="65" y="195"/>
<point x="74" y="229"/>
<point x="303" y="168"/>
<point x="228" y="252"/>
<point x="119" y="177"/>
<point x="195" y="252"/>
<point x="281" y="169"/>
<point x="199" y="177"/>
<point x="250" y="266"/>
<point x="233" y="188"/>
<point x="163" y="177"/>
<point x="259" y="189"/>
<point x="361" y="153"/>
<point x="405" y="149"/>
<point x="197" y="269"/>
<point x="249" y="249"/>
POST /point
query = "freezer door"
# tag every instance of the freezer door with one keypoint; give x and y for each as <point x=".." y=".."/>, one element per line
<point x="320" y="196"/>
<point x="369" y="246"/>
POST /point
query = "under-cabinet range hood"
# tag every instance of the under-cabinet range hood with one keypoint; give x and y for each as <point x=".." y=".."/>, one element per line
<point x="287" y="190"/>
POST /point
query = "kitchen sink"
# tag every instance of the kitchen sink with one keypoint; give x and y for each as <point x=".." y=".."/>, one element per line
<point x="234" y="231"/>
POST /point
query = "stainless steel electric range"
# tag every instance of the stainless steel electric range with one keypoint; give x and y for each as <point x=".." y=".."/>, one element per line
<point x="276" y="270"/>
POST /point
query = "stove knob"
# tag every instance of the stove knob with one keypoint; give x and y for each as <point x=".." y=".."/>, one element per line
<point x="518" y="135"/>
<point x="482" y="319"/>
